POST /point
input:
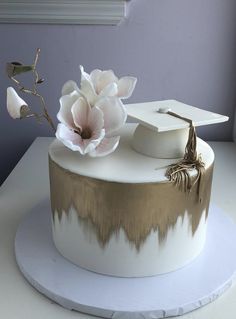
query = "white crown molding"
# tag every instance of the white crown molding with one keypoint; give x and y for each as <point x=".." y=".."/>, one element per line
<point x="63" y="11"/>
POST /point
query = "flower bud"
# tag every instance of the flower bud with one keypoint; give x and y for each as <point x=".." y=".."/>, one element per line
<point x="16" y="106"/>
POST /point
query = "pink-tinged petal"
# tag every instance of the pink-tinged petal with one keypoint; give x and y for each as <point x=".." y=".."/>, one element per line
<point x="106" y="77"/>
<point x="80" y="112"/>
<point x="110" y="90"/>
<point x="87" y="88"/>
<point x="95" y="119"/>
<point x="14" y="103"/>
<point x="107" y="146"/>
<point x="94" y="141"/>
<point x="69" y="138"/>
<point x="69" y="87"/>
<point x="114" y="114"/>
<point x="126" y="86"/>
<point x="64" y="115"/>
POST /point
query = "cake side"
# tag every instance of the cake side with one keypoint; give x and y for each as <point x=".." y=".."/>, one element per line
<point x="141" y="222"/>
<point x="137" y="208"/>
<point x="77" y="241"/>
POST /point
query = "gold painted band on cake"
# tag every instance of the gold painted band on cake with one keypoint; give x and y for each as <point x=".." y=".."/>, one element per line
<point x="136" y="208"/>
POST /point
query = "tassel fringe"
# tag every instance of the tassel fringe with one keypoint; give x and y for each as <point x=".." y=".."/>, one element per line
<point x="178" y="173"/>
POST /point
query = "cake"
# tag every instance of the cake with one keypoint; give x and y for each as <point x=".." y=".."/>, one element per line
<point x="127" y="200"/>
<point x="121" y="215"/>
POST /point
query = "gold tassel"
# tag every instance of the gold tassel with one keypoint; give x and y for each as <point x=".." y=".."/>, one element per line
<point x="178" y="173"/>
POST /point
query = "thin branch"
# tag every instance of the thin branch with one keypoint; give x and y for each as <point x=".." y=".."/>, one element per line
<point x="35" y="93"/>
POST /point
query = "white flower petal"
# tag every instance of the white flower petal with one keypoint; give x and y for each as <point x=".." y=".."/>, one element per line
<point x="69" y="138"/>
<point x="126" y="86"/>
<point x="106" y="77"/>
<point x="64" y="115"/>
<point x="69" y="87"/>
<point x="110" y="90"/>
<point x="94" y="76"/>
<point x="95" y="119"/>
<point x="107" y="146"/>
<point x="87" y="88"/>
<point x="14" y="103"/>
<point x="114" y="114"/>
<point x="80" y="112"/>
<point x="91" y="144"/>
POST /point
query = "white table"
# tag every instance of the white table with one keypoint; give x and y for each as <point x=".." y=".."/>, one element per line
<point x="28" y="184"/>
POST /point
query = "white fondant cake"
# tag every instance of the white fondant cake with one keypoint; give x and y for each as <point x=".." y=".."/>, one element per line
<point x="120" y="215"/>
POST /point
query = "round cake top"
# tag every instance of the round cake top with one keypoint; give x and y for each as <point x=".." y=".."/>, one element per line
<point x="125" y="165"/>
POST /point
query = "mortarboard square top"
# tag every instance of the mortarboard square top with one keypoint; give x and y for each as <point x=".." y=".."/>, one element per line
<point x="153" y="115"/>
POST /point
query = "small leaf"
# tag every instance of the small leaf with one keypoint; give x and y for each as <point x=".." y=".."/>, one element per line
<point x="40" y="81"/>
<point x="15" y="68"/>
<point x="16" y="63"/>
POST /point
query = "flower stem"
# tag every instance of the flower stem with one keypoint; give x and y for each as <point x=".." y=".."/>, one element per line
<point x="35" y="93"/>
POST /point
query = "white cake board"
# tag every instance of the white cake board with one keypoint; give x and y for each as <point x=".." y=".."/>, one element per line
<point x="172" y="294"/>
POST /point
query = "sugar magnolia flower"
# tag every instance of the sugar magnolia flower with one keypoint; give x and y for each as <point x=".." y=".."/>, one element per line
<point x="90" y="130"/>
<point x="99" y="83"/>
<point x="15" y="104"/>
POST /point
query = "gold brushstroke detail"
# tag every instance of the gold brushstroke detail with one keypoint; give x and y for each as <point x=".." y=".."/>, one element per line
<point x="137" y="208"/>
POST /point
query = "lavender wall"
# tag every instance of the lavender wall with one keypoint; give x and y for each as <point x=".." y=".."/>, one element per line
<point x="182" y="49"/>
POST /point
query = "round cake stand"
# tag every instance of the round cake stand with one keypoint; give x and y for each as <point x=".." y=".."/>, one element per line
<point x="172" y="294"/>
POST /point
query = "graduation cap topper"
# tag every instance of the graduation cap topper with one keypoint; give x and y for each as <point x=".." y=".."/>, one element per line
<point x="171" y="115"/>
<point x="154" y="115"/>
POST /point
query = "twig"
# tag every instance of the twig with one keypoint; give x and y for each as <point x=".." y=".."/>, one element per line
<point x="35" y="93"/>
